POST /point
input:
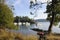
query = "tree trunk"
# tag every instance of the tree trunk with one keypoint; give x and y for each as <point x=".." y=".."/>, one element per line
<point x="53" y="16"/>
<point x="51" y="22"/>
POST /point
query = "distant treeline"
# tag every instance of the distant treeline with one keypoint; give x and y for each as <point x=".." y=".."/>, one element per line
<point x="25" y="19"/>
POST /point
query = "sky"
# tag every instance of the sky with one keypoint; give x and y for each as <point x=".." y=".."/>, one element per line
<point x="22" y="9"/>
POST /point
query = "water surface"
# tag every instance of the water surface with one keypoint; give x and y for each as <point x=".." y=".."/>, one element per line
<point x="26" y="29"/>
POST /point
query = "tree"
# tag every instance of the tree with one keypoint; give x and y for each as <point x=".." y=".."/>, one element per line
<point x="2" y="1"/>
<point x="6" y="17"/>
<point x="25" y="19"/>
<point x="17" y="20"/>
<point x="53" y="13"/>
<point x="52" y="10"/>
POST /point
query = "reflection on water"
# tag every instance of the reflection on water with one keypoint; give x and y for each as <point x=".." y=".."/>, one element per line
<point x="25" y="29"/>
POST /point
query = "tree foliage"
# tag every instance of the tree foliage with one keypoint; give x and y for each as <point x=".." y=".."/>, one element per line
<point x="54" y="6"/>
<point x="53" y="10"/>
<point x="6" y="17"/>
<point x="23" y="19"/>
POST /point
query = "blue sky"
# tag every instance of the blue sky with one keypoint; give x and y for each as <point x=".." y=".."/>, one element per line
<point x="22" y="9"/>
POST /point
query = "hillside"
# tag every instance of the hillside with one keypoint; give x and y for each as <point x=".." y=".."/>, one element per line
<point x="41" y="20"/>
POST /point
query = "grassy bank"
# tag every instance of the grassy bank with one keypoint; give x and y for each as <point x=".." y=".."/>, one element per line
<point x="53" y="36"/>
<point x="8" y="35"/>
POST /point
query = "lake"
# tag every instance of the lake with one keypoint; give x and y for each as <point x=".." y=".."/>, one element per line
<point x="25" y="29"/>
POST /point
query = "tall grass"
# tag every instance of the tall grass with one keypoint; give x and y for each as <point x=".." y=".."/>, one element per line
<point x="8" y="35"/>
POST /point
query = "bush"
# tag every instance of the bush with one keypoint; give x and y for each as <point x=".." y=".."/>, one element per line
<point x="6" y="17"/>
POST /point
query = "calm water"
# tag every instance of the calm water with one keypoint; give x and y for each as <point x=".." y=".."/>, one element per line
<point x="41" y="25"/>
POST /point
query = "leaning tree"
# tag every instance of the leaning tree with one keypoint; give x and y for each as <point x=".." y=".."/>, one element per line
<point x="52" y="10"/>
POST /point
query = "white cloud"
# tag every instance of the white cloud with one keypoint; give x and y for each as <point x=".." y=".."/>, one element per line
<point x="41" y="0"/>
<point x="41" y="15"/>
